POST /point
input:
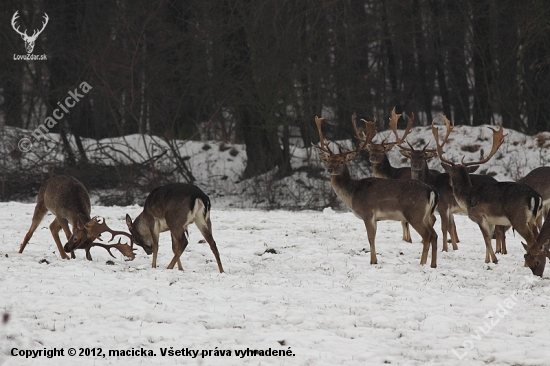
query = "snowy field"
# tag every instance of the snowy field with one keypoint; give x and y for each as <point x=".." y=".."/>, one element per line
<point x="315" y="297"/>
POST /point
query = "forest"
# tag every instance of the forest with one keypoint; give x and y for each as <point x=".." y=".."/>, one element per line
<point x="257" y="72"/>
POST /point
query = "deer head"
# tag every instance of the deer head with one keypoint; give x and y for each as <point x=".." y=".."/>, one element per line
<point x="137" y="227"/>
<point x="29" y="40"/>
<point x="335" y="162"/>
<point x="87" y="232"/>
<point x="418" y="158"/>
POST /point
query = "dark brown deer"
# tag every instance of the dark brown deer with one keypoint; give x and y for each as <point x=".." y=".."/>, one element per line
<point x="376" y="199"/>
<point x="539" y="180"/>
<point x="536" y="255"/>
<point x="381" y="166"/>
<point x="173" y="207"/>
<point x="447" y="206"/>
<point x="68" y="200"/>
<point x="501" y="203"/>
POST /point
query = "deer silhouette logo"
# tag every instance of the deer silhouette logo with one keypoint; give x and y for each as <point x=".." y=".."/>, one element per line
<point x="29" y="40"/>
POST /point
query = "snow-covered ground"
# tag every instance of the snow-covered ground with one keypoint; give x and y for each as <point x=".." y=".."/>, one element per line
<point x="315" y="296"/>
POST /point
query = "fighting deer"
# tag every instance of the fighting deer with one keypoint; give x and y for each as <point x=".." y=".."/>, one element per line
<point x="29" y="40"/>
<point x="376" y="199"/>
<point x="68" y="200"/>
<point x="381" y="166"/>
<point x="536" y="255"/>
<point x="173" y="207"/>
<point x="539" y="180"/>
<point x="490" y="204"/>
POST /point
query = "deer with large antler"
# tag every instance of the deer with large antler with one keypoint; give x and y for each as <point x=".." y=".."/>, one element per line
<point x="490" y="204"/>
<point x="68" y="200"/>
<point x="377" y="199"/>
<point x="381" y="166"/>
<point x="173" y="208"/>
<point x="29" y="40"/>
<point x="441" y="181"/>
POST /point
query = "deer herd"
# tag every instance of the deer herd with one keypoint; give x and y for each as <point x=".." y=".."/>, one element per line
<point x="409" y="195"/>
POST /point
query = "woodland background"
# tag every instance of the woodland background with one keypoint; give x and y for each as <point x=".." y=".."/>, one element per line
<point x="257" y="72"/>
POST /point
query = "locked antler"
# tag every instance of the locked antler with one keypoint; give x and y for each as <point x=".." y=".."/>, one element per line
<point x="95" y="228"/>
<point x="125" y="249"/>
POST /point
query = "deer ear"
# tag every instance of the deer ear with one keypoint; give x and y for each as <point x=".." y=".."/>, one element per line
<point x="349" y="157"/>
<point x="129" y="222"/>
<point x="472" y="168"/>
<point x="430" y="155"/>
<point x="405" y="153"/>
<point x="446" y="167"/>
<point x="524" y="246"/>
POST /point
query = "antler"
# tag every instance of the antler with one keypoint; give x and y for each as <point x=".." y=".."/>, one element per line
<point x="125" y="249"/>
<point x="498" y="139"/>
<point x="96" y="228"/>
<point x="13" y="19"/>
<point x="365" y="137"/>
<point x="44" y="23"/>
<point x="439" y="147"/>
<point x="393" y="124"/>
<point x="323" y="144"/>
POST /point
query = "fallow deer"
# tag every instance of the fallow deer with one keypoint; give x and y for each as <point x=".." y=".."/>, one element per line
<point x="539" y="180"/>
<point x="376" y="199"/>
<point x="381" y="166"/>
<point x="68" y="200"/>
<point x="536" y="255"/>
<point x="441" y="181"/>
<point x="173" y="207"/>
<point x="501" y="203"/>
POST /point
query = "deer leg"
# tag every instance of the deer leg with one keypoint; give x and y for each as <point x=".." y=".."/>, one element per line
<point x="371" y="234"/>
<point x="206" y="231"/>
<point x="406" y="232"/>
<point x="39" y="212"/>
<point x="429" y="237"/>
<point x="174" y="250"/>
<point x="65" y="226"/>
<point x="178" y="246"/>
<point x="155" y="234"/>
<point x="487" y="231"/>
<point x="453" y="232"/>
<point x="500" y="236"/>
<point x="55" y="226"/>
<point x="444" y="214"/>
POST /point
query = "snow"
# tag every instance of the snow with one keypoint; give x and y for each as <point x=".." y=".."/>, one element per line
<point x="295" y="281"/>
<point x="318" y="296"/>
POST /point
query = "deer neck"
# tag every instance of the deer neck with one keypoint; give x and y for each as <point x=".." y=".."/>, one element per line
<point x="344" y="186"/>
<point x="462" y="188"/>
<point x="383" y="169"/>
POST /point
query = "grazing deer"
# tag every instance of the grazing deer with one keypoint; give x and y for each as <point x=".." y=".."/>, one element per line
<point x="381" y="166"/>
<point x="68" y="200"/>
<point x="536" y="255"/>
<point x="376" y="199"/>
<point x="501" y="203"/>
<point x="173" y="207"/>
<point x="539" y="180"/>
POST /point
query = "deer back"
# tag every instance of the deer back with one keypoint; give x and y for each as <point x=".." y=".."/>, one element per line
<point x="66" y="197"/>
<point x="539" y="180"/>
<point x="407" y="198"/>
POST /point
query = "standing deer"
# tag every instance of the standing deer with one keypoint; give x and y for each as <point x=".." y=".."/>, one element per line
<point x="68" y="200"/>
<point x="441" y="181"/>
<point x="381" y="166"/>
<point x="376" y="199"/>
<point x="539" y="180"/>
<point x="173" y="207"/>
<point x="501" y="203"/>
